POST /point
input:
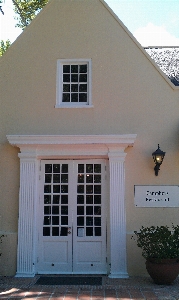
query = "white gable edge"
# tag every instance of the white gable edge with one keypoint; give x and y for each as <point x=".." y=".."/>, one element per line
<point x="139" y="46"/>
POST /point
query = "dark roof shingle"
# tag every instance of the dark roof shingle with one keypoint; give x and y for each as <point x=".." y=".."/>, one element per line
<point x="167" y="58"/>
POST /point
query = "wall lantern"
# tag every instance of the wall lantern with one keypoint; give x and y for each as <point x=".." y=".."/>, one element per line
<point x="158" y="157"/>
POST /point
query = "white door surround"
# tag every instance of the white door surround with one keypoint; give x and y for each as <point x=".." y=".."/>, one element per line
<point x="33" y="148"/>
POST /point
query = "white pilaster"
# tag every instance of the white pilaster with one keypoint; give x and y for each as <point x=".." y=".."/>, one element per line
<point x="117" y="215"/>
<point x="25" y="253"/>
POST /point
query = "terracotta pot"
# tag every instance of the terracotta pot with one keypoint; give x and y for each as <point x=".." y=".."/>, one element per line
<point x="163" y="272"/>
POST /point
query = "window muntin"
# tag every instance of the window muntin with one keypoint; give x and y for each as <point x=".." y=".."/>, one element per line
<point x="74" y="83"/>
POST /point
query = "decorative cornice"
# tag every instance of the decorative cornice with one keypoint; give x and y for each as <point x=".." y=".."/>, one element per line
<point x="36" y="140"/>
<point x="68" y="146"/>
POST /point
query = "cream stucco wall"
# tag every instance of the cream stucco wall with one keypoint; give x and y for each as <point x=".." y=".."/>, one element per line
<point x="129" y="96"/>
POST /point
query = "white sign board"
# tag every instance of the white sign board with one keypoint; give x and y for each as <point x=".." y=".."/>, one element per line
<point x="156" y="196"/>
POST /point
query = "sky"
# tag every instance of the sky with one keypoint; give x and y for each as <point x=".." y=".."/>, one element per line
<point x="152" y="22"/>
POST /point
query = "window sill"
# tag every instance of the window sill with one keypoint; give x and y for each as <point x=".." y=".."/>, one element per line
<point x="74" y="106"/>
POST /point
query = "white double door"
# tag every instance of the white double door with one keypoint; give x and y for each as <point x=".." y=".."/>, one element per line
<point x="72" y="217"/>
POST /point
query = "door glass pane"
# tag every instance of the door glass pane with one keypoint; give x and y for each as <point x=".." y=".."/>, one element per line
<point x="46" y="231"/>
<point x="64" y="220"/>
<point x="56" y="199"/>
<point x="56" y="168"/>
<point x="80" y="221"/>
<point x="56" y="178"/>
<point x="55" y="231"/>
<point x="80" y="199"/>
<point x="89" y="231"/>
<point x="89" y="199"/>
<point x="80" y="178"/>
<point x="47" y="199"/>
<point x="48" y="178"/>
<point x="64" y="199"/>
<point x="81" y="168"/>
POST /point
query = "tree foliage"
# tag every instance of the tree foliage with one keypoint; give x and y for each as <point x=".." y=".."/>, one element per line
<point x="4" y="45"/>
<point x="26" y="11"/>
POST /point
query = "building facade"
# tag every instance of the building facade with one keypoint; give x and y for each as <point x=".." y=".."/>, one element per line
<point x="83" y="106"/>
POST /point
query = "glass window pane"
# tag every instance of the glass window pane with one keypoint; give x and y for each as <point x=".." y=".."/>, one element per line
<point x="55" y="231"/>
<point x="83" y="68"/>
<point x="64" y="188"/>
<point x="66" y="88"/>
<point x="55" y="210"/>
<point x="89" y="210"/>
<point x="64" y="178"/>
<point x="64" y="199"/>
<point x="89" y="221"/>
<point x="64" y="220"/>
<point x="89" y="178"/>
<point x="56" y="178"/>
<point x="97" y="199"/>
<point x="80" y="178"/>
<point x="47" y="188"/>
<point x="97" y="231"/>
<point x="97" y="221"/>
<point x="83" y="78"/>
<point x="47" y="199"/>
<point x="97" y="178"/>
<point x="89" y="189"/>
<point x="66" y="77"/>
<point x="89" y="231"/>
<point x="56" y="199"/>
<point x="48" y="168"/>
<point x="83" y="88"/>
<point x="74" y="68"/>
<point x="47" y="210"/>
<point x="89" y="168"/>
<point x="89" y="199"/>
<point x="74" y="97"/>
<point x="97" y="210"/>
<point x="48" y="178"/>
<point x="80" y="210"/>
<point x="80" y="199"/>
<point x="46" y="231"/>
<point x="81" y="168"/>
<point x="66" y="98"/>
<point x="56" y="189"/>
<point x="47" y="220"/>
<point x="55" y="220"/>
<point x="64" y="231"/>
<point x="74" y="77"/>
<point x="82" y="97"/>
<point x="97" y="168"/>
<point x="66" y="68"/>
<point x="56" y="168"/>
<point x="80" y="221"/>
<point x="80" y="189"/>
<point x="74" y="88"/>
<point x="64" y="210"/>
<point x="97" y="189"/>
<point x="64" y="168"/>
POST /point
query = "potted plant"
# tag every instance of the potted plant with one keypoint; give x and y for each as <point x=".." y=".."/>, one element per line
<point x="160" y="248"/>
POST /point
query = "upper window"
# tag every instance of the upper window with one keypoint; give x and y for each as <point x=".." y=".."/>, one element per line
<point x="73" y="83"/>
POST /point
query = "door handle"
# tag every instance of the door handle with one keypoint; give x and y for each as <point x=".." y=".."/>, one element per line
<point x="69" y="230"/>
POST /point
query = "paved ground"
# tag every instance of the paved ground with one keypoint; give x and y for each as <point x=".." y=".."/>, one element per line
<point x="136" y="288"/>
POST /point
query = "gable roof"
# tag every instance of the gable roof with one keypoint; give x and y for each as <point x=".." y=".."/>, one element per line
<point x="167" y="58"/>
<point x="52" y="2"/>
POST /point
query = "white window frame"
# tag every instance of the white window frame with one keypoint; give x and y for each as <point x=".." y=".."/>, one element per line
<point x="59" y="103"/>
